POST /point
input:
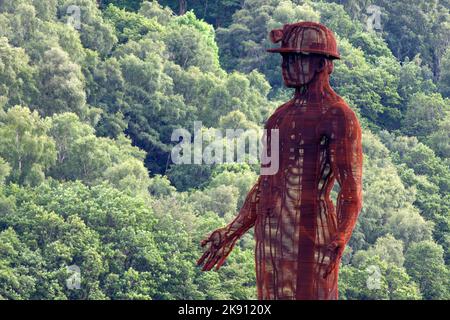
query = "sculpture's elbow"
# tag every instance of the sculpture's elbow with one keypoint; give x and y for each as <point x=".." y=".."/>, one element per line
<point x="351" y="193"/>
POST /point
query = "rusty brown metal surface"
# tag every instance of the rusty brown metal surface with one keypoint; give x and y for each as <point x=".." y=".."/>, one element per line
<point x="300" y="234"/>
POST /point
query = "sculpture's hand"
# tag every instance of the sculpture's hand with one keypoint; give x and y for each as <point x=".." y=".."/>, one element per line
<point x="220" y="243"/>
<point x="218" y="248"/>
<point x="335" y="249"/>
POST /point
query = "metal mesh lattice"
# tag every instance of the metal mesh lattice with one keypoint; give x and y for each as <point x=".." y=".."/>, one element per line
<point x="300" y="235"/>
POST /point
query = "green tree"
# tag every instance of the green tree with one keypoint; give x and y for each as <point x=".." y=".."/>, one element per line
<point x="129" y="25"/>
<point x="82" y="155"/>
<point x="20" y="267"/>
<point x="374" y="279"/>
<point x="190" y="42"/>
<point x="5" y="170"/>
<point x="444" y="80"/>
<point x="95" y="33"/>
<point x="389" y="249"/>
<point x="414" y="78"/>
<point x="409" y="226"/>
<point x="420" y="169"/>
<point x="221" y="200"/>
<point x="239" y="176"/>
<point x="439" y="139"/>
<point x="25" y="145"/>
<point x="17" y="84"/>
<point x="160" y="186"/>
<point x="61" y="85"/>
<point x="18" y="21"/>
<point x="423" y="114"/>
<point x="127" y="4"/>
<point x="129" y="175"/>
<point x="424" y="263"/>
<point x="152" y="9"/>
<point x="385" y="195"/>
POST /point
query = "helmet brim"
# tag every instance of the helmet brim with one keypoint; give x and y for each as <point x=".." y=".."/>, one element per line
<point x="290" y="50"/>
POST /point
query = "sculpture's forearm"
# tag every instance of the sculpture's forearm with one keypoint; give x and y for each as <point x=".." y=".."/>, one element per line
<point x="246" y="217"/>
<point x="348" y="208"/>
<point x="223" y="240"/>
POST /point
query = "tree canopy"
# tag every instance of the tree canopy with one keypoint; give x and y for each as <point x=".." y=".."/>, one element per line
<point x="87" y="114"/>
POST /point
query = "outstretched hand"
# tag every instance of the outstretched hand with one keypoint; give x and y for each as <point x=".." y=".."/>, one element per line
<point x="335" y="249"/>
<point x="217" y="249"/>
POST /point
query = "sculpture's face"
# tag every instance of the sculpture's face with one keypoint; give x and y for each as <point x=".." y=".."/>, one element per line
<point x="299" y="69"/>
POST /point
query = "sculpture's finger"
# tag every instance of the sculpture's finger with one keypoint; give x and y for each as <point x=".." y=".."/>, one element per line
<point x="211" y="262"/>
<point x="203" y="257"/>
<point x="329" y="270"/>
<point x="204" y="242"/>
<point x="332" y="256"/>
<point x="221" y="262"/>
<point x="211" y="256"/>
<point x="216" y="260"/>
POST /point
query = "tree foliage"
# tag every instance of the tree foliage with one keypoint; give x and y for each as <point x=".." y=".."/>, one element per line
<point x="87" y="114"/>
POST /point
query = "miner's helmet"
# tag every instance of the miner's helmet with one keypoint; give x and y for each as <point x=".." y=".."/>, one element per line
<point x="305" y="37"/>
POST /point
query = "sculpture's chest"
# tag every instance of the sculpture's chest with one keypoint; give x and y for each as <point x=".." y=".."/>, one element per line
<point x="298" y="128"/>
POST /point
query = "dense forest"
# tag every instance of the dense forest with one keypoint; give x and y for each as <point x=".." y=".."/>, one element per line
<point x="86" y="116"/>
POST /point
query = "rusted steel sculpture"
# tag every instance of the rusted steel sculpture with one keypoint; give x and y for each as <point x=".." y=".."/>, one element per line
<point x="300" y="236"/>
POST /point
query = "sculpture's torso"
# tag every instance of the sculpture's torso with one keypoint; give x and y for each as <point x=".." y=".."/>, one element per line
<point x="296" y="219"/>
<point x="300" y="236"/>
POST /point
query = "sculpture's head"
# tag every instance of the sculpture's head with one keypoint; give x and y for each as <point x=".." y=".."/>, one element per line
<point x="307" y="48"/>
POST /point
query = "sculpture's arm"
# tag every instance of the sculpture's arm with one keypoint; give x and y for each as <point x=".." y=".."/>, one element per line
<point x="346" y="161"/>
<point x="222" y="240"/>
<point x="247" y="215"/>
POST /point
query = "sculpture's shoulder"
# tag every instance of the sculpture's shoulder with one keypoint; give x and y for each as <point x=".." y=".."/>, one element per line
<point x="339" y="116"/>
<point x="278" y="114"/>
<point x="341" y="111"/>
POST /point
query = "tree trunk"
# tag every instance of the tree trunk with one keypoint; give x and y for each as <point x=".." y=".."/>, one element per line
<point x="183" y="7"/>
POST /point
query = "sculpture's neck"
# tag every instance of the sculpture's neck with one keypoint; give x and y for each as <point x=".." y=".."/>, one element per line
<point x="316" y="90"/>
